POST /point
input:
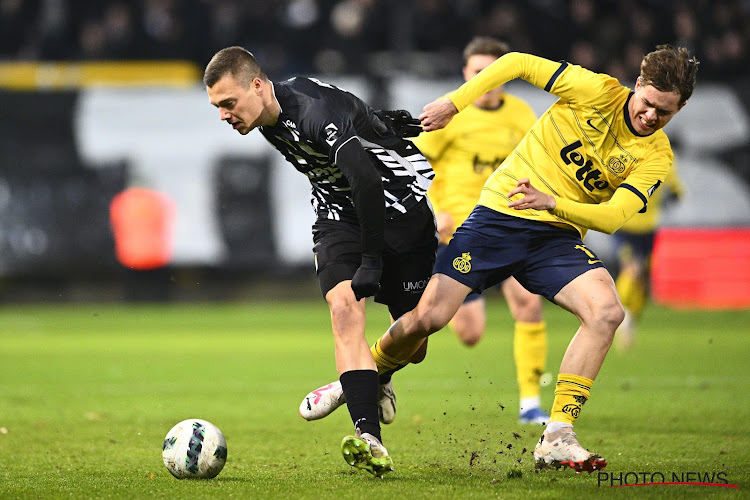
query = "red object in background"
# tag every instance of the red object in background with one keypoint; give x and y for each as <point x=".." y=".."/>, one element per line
<point x="701" y="268"/>
<point x="142" y="222"/>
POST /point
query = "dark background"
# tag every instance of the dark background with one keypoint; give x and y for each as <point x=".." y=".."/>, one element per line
<point x="55" y="238"/>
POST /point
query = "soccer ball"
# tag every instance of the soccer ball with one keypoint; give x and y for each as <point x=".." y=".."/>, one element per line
<point x="194" y="449"/>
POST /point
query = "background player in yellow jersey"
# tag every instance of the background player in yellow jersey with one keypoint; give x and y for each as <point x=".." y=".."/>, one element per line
<point x="634" y="243"/>
<point x="592" y="161"/>
<point x="463" y="155"/>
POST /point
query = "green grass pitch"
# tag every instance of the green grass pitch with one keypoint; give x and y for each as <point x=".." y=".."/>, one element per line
<point x="87" y="394"/>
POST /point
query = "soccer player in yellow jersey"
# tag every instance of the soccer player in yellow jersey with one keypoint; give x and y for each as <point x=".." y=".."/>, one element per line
<point x="592" y="161"/>
<point x="634" y="243"/>
<point x="463" y="155"/>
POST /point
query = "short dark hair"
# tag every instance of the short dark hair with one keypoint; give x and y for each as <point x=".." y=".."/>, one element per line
<point x="670" y="69"/>
<point x="237" y="61"/>
<point x="485" y="46"/>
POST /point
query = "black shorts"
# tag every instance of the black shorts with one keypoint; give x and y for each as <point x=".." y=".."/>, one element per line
<point x="409" y="254"/>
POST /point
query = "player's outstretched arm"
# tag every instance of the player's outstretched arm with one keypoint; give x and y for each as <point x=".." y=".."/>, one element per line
<point x="535" y="70"/>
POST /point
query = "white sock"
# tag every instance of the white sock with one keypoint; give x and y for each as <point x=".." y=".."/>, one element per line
<point x="556" y="426"/>
<point x="529" y="403"/>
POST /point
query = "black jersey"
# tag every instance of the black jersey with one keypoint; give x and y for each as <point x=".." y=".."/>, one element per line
<point x="316" y="120"/>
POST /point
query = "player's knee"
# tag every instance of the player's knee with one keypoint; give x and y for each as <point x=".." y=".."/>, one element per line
<point x="529" y="310"/>
<point x="344" y="310"/>
<point x="470" y="338"/>
<point x="340" y="307"/>
<point x="469" y="333"/>
<point x="617" y="314"/>
<point x="524" y="305"/>
<point x="427" y="321"/>
<point x="609" y="315"/>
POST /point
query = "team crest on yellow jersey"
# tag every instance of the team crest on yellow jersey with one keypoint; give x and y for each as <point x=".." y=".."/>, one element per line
<point x="462" y="264"/>
<point x="617" y="164"/>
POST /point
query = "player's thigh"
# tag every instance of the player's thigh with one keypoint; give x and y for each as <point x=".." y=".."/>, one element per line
<point x="473" y="296"/>
<point x="591" y="296"/>
<point x="338" y="253"/>
<point x="472" y="308"/>
<point x="524" y="305"/>
<point x="408" y="259"/>
<point x="555" y="258"/>
<point x="440" y="301"/>
<point x="482" y="253"/>
<point x="469" y="321"/>
<point x="404" y="279"/>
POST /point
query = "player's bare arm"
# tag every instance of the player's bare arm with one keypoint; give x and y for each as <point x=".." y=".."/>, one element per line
<point x="437" y="114"/>
<point x="533" y="198"/>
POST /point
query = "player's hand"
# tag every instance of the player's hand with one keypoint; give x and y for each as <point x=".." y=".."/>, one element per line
<point x="366" y="281"/>
<point x="444" y="226"/>
<point x="533" y="198"/>
<point x="437" y="114"/>
<point x="400" y="122"/>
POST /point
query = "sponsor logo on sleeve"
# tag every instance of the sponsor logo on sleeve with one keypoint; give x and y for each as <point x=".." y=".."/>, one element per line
<point x="331" y="134"/>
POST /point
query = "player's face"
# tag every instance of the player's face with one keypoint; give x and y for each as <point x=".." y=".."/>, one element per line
<point x="475" y="64"/>
<point x="650" y="109"/>
<point x="240" y="107"/>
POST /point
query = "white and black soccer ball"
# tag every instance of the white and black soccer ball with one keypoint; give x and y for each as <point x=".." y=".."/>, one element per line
<point x="194" y="449"/>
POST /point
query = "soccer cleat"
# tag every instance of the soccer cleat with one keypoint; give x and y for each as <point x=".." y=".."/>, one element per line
<point x="386" y="403"/>
<point x="365" y="451"/>
<point x="322" y="401"/>
<point x="533" y="416"/>
<point x="561" y="448"/>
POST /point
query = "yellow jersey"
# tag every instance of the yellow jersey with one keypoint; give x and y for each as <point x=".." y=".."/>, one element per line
<point x="581" y="150"/>
<point x="648" y="222"/>
<point x="467" y="151"/>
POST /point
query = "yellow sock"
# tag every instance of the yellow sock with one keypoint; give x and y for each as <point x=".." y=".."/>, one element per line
<point x="530" y="352"/>
<point x="625" y="283"/>
<point x="632" y="292"/>
<point x="571" y="393"/>
<point x="383" y="361"/>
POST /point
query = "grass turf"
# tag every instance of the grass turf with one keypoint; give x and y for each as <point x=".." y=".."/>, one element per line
<point x="87" y="394"/>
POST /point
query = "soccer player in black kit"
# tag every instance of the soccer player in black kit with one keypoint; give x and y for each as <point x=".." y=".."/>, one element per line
<point x="374" y="233"/>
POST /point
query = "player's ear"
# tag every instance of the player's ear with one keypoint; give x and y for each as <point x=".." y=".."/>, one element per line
<point x="257" y="85"/>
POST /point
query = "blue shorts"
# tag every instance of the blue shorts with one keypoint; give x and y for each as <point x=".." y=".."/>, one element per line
<point x="472" y="295"/>
<point x="640" y="245"/>
<point x="489" y="247"/>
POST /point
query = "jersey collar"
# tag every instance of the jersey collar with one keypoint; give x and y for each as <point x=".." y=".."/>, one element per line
<point x="626" y="114"/>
